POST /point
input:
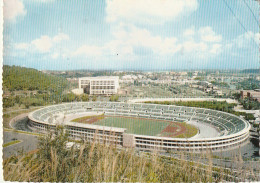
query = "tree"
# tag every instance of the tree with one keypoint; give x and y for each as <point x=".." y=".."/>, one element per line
<point x="94" y="98"/>
<point x="69" y="97"/>
<point x="114" y="98"/>
<point x="84" y="97"/>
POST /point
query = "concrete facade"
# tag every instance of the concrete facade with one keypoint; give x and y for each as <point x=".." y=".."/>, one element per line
<point x="103" y="85"/>
<point x="232" y="129"/>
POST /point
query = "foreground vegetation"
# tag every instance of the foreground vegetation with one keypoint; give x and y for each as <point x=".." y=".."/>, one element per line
<point x="93" y="162"/>
<point x="220" y="106"/>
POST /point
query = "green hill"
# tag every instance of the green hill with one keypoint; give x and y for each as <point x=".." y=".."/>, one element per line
<point x="30" y="87"/>
<point x="17" y="78"/>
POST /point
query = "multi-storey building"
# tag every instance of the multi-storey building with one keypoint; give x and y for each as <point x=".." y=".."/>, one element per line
<point x="251" y="94"/>
<point x="102" y="85"/>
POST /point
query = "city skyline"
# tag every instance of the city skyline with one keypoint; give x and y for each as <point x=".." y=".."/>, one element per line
<point x="131" y="35"/>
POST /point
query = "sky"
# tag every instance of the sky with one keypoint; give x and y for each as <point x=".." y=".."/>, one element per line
<point x="131" y="34"/>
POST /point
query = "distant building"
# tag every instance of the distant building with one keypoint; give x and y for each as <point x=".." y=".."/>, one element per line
<point x="205" y="83"/>
<point x="251" y="94"/>
<point x="129" y="78"/>
<point x="77" y="91"/>
<point x="219" y="92"/>
<point x="243" y="94"/>
<point x="102" y="85"/>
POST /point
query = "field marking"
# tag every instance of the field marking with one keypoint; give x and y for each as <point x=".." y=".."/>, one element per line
<point x="8" y="144"/>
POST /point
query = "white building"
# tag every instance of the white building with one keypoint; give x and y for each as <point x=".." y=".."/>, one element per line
<point x="102" y="85"/>
<point x="129" y="78"/>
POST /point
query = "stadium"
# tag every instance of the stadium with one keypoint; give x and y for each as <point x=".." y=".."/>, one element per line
<point x="144" y="126"/>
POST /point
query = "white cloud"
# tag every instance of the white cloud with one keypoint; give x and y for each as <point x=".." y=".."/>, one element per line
<point x="60" y="37"/>
<point x="191" y="46"/>
<point x="252" y="36"/>
<point x="148" y="11"/>
<point x="55" y="55"/>
<point x="44" y="1"/>
<point x="88" y="51"/>
<point x="216" y="48"/>
<point x="208" y="35"/>
<point x="43" y="44"/>
<point x="243" y="40"/>
<point x="257" y="38"/>
<point x="131" y="36"/>
<point x="128" y="38"/>
<point x="203" y="42"/>
<point x="21" y="46"/>
<point x="189" y="33"/>
<point x="13" y="9"/>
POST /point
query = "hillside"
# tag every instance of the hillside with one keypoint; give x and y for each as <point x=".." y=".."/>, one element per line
<point x="17" y="78"/>
<point x="27" y="87"/>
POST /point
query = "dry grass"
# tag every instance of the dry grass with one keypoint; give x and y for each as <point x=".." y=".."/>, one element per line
<point x="190" y="131"/>
<point x="85" y="119"/>
<point x="97" y="162"/>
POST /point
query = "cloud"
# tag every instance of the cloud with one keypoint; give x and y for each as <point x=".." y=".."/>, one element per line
<point x="208" y="35"/>
<point x="55" y="55"/>
<point x="252" y="36"/>
<point x="131" y="41"/>
<point x="13" y="9"/>
<point x="88" y="50"/>
<point x="129" y="36"/>
<point x="191" y="46"/>
<point x="21" y="46"/>
<point x="127" y="39"/>
<point x="44" y="44"/>
<point x="202" y="43"/>
<point x="216" y="48"/>
<point x="148" y="11"/>
<point x="44" y="1"/>
<point x="189" y="33"/>
<point x="243" y="40"/>
<point x="60" y="37"/>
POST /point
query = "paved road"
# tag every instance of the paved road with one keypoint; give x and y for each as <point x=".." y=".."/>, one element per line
<point x="29" y="143"/>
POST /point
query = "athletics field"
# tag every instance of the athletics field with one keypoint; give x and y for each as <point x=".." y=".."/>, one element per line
<point x="142" y="126"/>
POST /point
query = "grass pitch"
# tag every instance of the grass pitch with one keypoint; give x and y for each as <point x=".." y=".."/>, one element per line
<point x="135" y="125"/>
<point x="142" y="126"/>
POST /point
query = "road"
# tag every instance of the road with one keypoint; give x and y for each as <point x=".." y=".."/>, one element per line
<point x="29" y="143"/>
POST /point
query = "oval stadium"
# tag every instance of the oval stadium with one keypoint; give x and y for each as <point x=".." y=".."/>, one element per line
<point x="144" y="126"/>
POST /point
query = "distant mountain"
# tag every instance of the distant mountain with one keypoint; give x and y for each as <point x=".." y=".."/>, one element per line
<point x="250" y="71"/>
